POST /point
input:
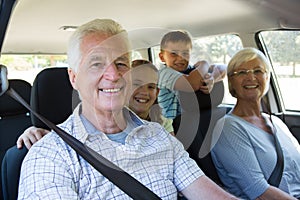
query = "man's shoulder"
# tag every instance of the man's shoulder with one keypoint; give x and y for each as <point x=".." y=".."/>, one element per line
<point x="49" y="141"/>
<point x="53" y="140"/>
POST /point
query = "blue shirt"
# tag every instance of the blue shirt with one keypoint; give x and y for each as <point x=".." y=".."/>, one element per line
<point x="245" y="157"/>
<point x="53" y="170"/>
<point x="168" y="98"/>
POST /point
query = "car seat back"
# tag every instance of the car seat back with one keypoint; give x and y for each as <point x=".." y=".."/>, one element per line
<point x="14" y="117"/>
<point x="53" y="97"/>
<point x="194" y="127"/>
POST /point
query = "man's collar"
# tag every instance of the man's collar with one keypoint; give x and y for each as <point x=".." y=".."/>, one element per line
<point x="133" y="116"/>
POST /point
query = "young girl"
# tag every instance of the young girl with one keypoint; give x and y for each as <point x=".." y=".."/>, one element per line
<point x="143" y="100"/>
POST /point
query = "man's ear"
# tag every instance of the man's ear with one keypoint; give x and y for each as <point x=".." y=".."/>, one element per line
<point x="72" y="78"/>
<point x="161" y="56"/>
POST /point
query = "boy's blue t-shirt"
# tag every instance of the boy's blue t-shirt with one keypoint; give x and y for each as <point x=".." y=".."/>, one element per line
<point x="168" y="98"/>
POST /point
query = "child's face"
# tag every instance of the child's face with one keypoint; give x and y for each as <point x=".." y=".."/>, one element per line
<point x="145" y="91"/>
<point x="176" y="55"/>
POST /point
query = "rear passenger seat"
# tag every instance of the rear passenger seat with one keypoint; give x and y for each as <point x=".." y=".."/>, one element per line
<point x="195" y="126"/>
<point x="53" y="97"/>
<point x="14" y="117"/>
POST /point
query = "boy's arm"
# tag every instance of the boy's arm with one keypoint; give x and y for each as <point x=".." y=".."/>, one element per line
<point x="194" y="80"/>
<point x="189" y="83"/>
<point x="200" y="79"/>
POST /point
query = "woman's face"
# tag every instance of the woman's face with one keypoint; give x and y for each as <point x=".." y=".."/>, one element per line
<point x="249" y="80"/>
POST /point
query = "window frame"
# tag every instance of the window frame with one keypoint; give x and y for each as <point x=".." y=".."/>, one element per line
<point x="277" y="103"/>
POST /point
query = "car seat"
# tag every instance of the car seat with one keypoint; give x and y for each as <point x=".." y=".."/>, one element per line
<point x="14" y="117"/>
<point x="53" y="97"/>
<point x="194" y="127"/>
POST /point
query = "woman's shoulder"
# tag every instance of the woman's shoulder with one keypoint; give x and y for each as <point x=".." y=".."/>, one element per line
<point x="229" y="119"/>
<point x="231" y="125"/>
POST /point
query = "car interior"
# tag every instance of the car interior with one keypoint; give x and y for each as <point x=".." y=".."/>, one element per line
<point x="41" y="28"/>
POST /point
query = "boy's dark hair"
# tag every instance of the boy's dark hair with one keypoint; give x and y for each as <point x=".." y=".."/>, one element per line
<point x="175" y="36"/>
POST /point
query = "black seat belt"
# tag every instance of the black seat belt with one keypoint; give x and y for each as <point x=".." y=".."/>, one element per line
<point x="116" y="175"/>
<point x="276" y="174"/>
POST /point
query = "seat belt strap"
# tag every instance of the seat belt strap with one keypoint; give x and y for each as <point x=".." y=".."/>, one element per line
<point x="276" y="174"/>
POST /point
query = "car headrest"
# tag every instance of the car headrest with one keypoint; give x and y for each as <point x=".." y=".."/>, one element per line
<point x="53" y="96"/>
<point x="189" y="100"/>
<point x="8" y="105"/>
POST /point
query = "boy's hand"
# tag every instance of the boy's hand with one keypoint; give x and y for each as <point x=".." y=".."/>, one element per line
<point x="30" y="136"/>
<point x="208" y="83"/>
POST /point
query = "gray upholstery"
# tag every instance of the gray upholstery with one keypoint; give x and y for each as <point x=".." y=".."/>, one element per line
<point x="194" y="127"/>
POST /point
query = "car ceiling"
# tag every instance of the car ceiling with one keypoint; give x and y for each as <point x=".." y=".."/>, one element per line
<point x="35" y="25"/>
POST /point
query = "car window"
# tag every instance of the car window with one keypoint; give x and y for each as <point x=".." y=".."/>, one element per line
<point x="214" y="49"/>
<point x="26" y="67"/>
<point x="283" y="49"/>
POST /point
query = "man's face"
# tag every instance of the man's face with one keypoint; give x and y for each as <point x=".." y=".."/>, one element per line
<point x="100" y="78"/>
<point x="176" y="55"/>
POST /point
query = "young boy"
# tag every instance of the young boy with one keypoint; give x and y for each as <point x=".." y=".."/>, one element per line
<point x="177" y="75"/>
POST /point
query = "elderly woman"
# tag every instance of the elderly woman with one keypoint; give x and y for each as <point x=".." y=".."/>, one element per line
<point x="245" y="153"/>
